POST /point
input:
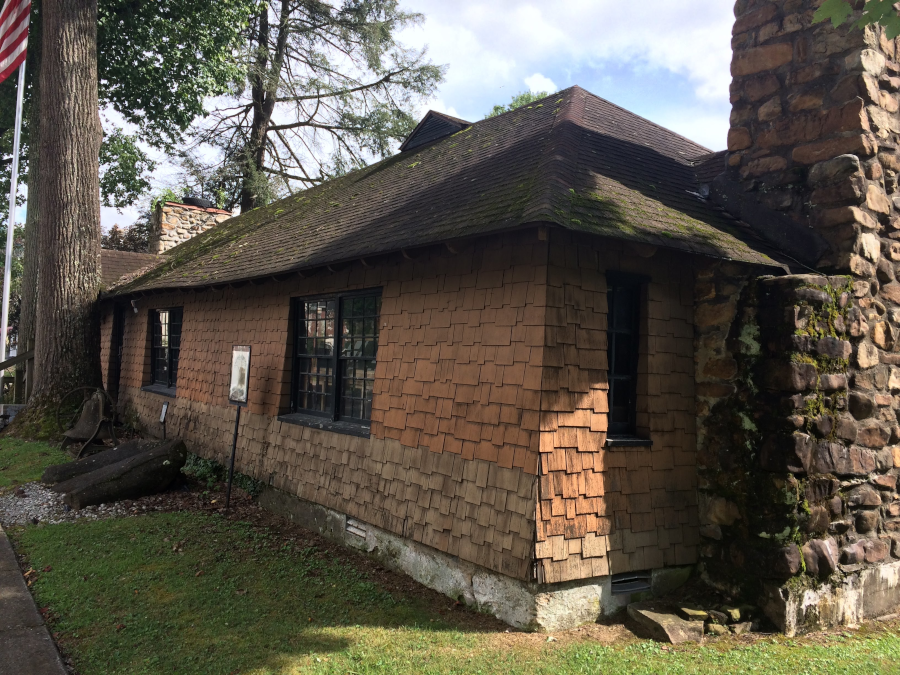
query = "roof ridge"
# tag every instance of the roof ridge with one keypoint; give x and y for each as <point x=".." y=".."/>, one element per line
<point x="562" y="144"/>
<point x="644" y="119"/>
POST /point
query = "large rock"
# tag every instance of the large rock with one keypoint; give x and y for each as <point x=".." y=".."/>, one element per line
<point x="862" y="406"/>
<point x="720" y="511"/>
<point x="782" y="563"/>
<point x="663" y="625"/>
<point x="863" y="495"/>
<point x="843" y="461"/>
<point x="821" y="557"/>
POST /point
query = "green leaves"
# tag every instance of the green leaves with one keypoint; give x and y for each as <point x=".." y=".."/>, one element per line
<point x="123" y="170"/>
<point x="838" y="11"/>
<point x="875" y="11"/>
<point x="158" y="61"/>
<point x="517" y="101"/>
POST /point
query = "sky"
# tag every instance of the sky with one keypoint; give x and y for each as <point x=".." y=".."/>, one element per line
<point x="666" y="61"/>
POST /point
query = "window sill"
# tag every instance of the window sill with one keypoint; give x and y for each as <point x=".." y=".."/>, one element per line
<point x="627" y="442"/>
<point x="338" y="427"/>
<point x="160" y="389"/>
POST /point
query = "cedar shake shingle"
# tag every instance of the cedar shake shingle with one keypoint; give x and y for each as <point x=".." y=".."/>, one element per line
<point x="572" y="160"/>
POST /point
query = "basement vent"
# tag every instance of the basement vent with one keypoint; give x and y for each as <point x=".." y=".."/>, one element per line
<point x="631" y="582"/>
<point x="356" y="527"/>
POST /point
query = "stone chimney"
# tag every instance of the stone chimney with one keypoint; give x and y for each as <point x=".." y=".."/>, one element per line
<point x="799" y="494"/>
<point x="173" y="223"/>
<point x="814" y="129"/>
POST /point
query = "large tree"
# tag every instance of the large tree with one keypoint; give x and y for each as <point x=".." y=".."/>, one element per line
<point x="158" y="62"/>
<point x="328" y="87"/>
<point x="68" y="201"/>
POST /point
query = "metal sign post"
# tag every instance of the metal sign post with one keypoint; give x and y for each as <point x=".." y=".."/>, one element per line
<point x="162" y="417"/>
<point x="237" y="395"/>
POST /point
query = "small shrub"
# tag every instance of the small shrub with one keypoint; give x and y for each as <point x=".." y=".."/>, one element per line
<point x="210" y="471"/>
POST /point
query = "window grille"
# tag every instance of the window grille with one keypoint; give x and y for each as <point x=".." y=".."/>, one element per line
<point x="624" y="300"/>
<point x="165" y="345"/>
<point x="335" y="353"/>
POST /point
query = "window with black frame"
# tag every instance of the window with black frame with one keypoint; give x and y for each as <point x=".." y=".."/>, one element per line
<point x="623" y="340"/>
<point x="335" y="350"/>
<point x="165" y="345"/>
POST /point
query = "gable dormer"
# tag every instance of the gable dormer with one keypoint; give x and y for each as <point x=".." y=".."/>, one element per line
<point x="433" y="127"/>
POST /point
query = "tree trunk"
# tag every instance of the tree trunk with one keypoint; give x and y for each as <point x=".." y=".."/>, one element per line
<point x="145" y="474"/>
<point x="57" y="473"/>
<point x="66" y="337"/>
<point x="32" y="257"/>
<point x="264" y="91"/>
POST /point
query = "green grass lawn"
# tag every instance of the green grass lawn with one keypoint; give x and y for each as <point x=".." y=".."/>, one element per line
<point x="195" y="593"/>
<point x="25" y="461"/>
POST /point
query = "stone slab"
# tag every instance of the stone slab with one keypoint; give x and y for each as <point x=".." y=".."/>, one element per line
<point x="663" y="625"/>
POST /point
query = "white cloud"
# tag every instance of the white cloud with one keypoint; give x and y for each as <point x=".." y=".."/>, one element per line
<point x="491" y="46"/>
<point x="439" y="105"/>
<point x="538" y="82"/>
<point x="690" y="37"/>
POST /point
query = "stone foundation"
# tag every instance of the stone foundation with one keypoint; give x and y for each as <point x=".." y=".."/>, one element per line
<point x="528" y="606"/>
<point x="868" y="593"/>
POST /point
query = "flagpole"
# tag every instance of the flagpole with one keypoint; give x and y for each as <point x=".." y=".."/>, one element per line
<point x="11" y="228"/>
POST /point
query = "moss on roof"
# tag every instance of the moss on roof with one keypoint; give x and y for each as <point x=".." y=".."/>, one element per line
<point x="574" y="160"/>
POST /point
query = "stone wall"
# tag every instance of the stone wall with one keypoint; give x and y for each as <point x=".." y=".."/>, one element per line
<point x="813" y="137"/>
<point x="798" y="479"/>
<point x="172" y="223"/>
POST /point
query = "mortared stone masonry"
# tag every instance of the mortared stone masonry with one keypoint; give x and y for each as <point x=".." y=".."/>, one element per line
<point x="798" y="379"/>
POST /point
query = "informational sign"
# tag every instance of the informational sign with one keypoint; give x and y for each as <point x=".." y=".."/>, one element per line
<point x="240" y="375"/>
<point x="162" y="415"/>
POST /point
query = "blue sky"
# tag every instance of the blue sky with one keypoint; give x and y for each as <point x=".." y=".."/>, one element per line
<point x="667" y="61"/>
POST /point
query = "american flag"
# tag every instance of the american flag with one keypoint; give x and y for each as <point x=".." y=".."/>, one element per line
<point x="13" y="35"/>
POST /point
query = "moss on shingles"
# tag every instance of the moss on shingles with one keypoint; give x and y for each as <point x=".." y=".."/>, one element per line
<point x="500" y="177"/>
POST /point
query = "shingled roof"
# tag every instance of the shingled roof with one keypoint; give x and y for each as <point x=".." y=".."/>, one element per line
<point x="116" y="264"/>
<point x="572" y="160"/>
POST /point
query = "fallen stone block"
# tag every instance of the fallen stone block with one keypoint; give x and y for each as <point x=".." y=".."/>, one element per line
<point x="693" y="613"/>
<point x="663" y="625"/>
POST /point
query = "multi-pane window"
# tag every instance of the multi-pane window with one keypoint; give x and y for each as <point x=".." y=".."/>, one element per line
<point x="336" y="346"/>
<point x="623" y="339"/>
<point x="165" y="345"/>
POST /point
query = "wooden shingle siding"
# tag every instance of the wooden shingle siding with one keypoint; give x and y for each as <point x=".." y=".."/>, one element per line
<point x="489" y="422"/>
<point x="453" y="454"/>
<point x="604" y="510"/>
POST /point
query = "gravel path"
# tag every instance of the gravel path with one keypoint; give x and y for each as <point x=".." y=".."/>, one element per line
<point x="34" y="503"/>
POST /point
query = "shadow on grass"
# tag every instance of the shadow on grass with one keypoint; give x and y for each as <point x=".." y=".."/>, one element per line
<point x="188" y="592"/>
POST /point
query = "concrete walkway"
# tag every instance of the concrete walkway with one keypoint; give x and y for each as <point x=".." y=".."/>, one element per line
<point x="25" y="644"/>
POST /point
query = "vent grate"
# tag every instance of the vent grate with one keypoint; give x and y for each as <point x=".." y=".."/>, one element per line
<point x="356" y="527"/>
<point x="631" y="582"/>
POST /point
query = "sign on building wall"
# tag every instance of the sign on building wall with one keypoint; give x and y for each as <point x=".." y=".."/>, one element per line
<point x="240" y="375"/>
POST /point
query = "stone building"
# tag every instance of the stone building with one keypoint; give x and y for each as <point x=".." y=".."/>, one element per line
<point x="539" y="360"/>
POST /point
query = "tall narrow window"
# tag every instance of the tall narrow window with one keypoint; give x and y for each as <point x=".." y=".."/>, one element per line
<point x="624" y="300"/>
<point x="165" y="345"/>
<point x="335" y="351"/>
